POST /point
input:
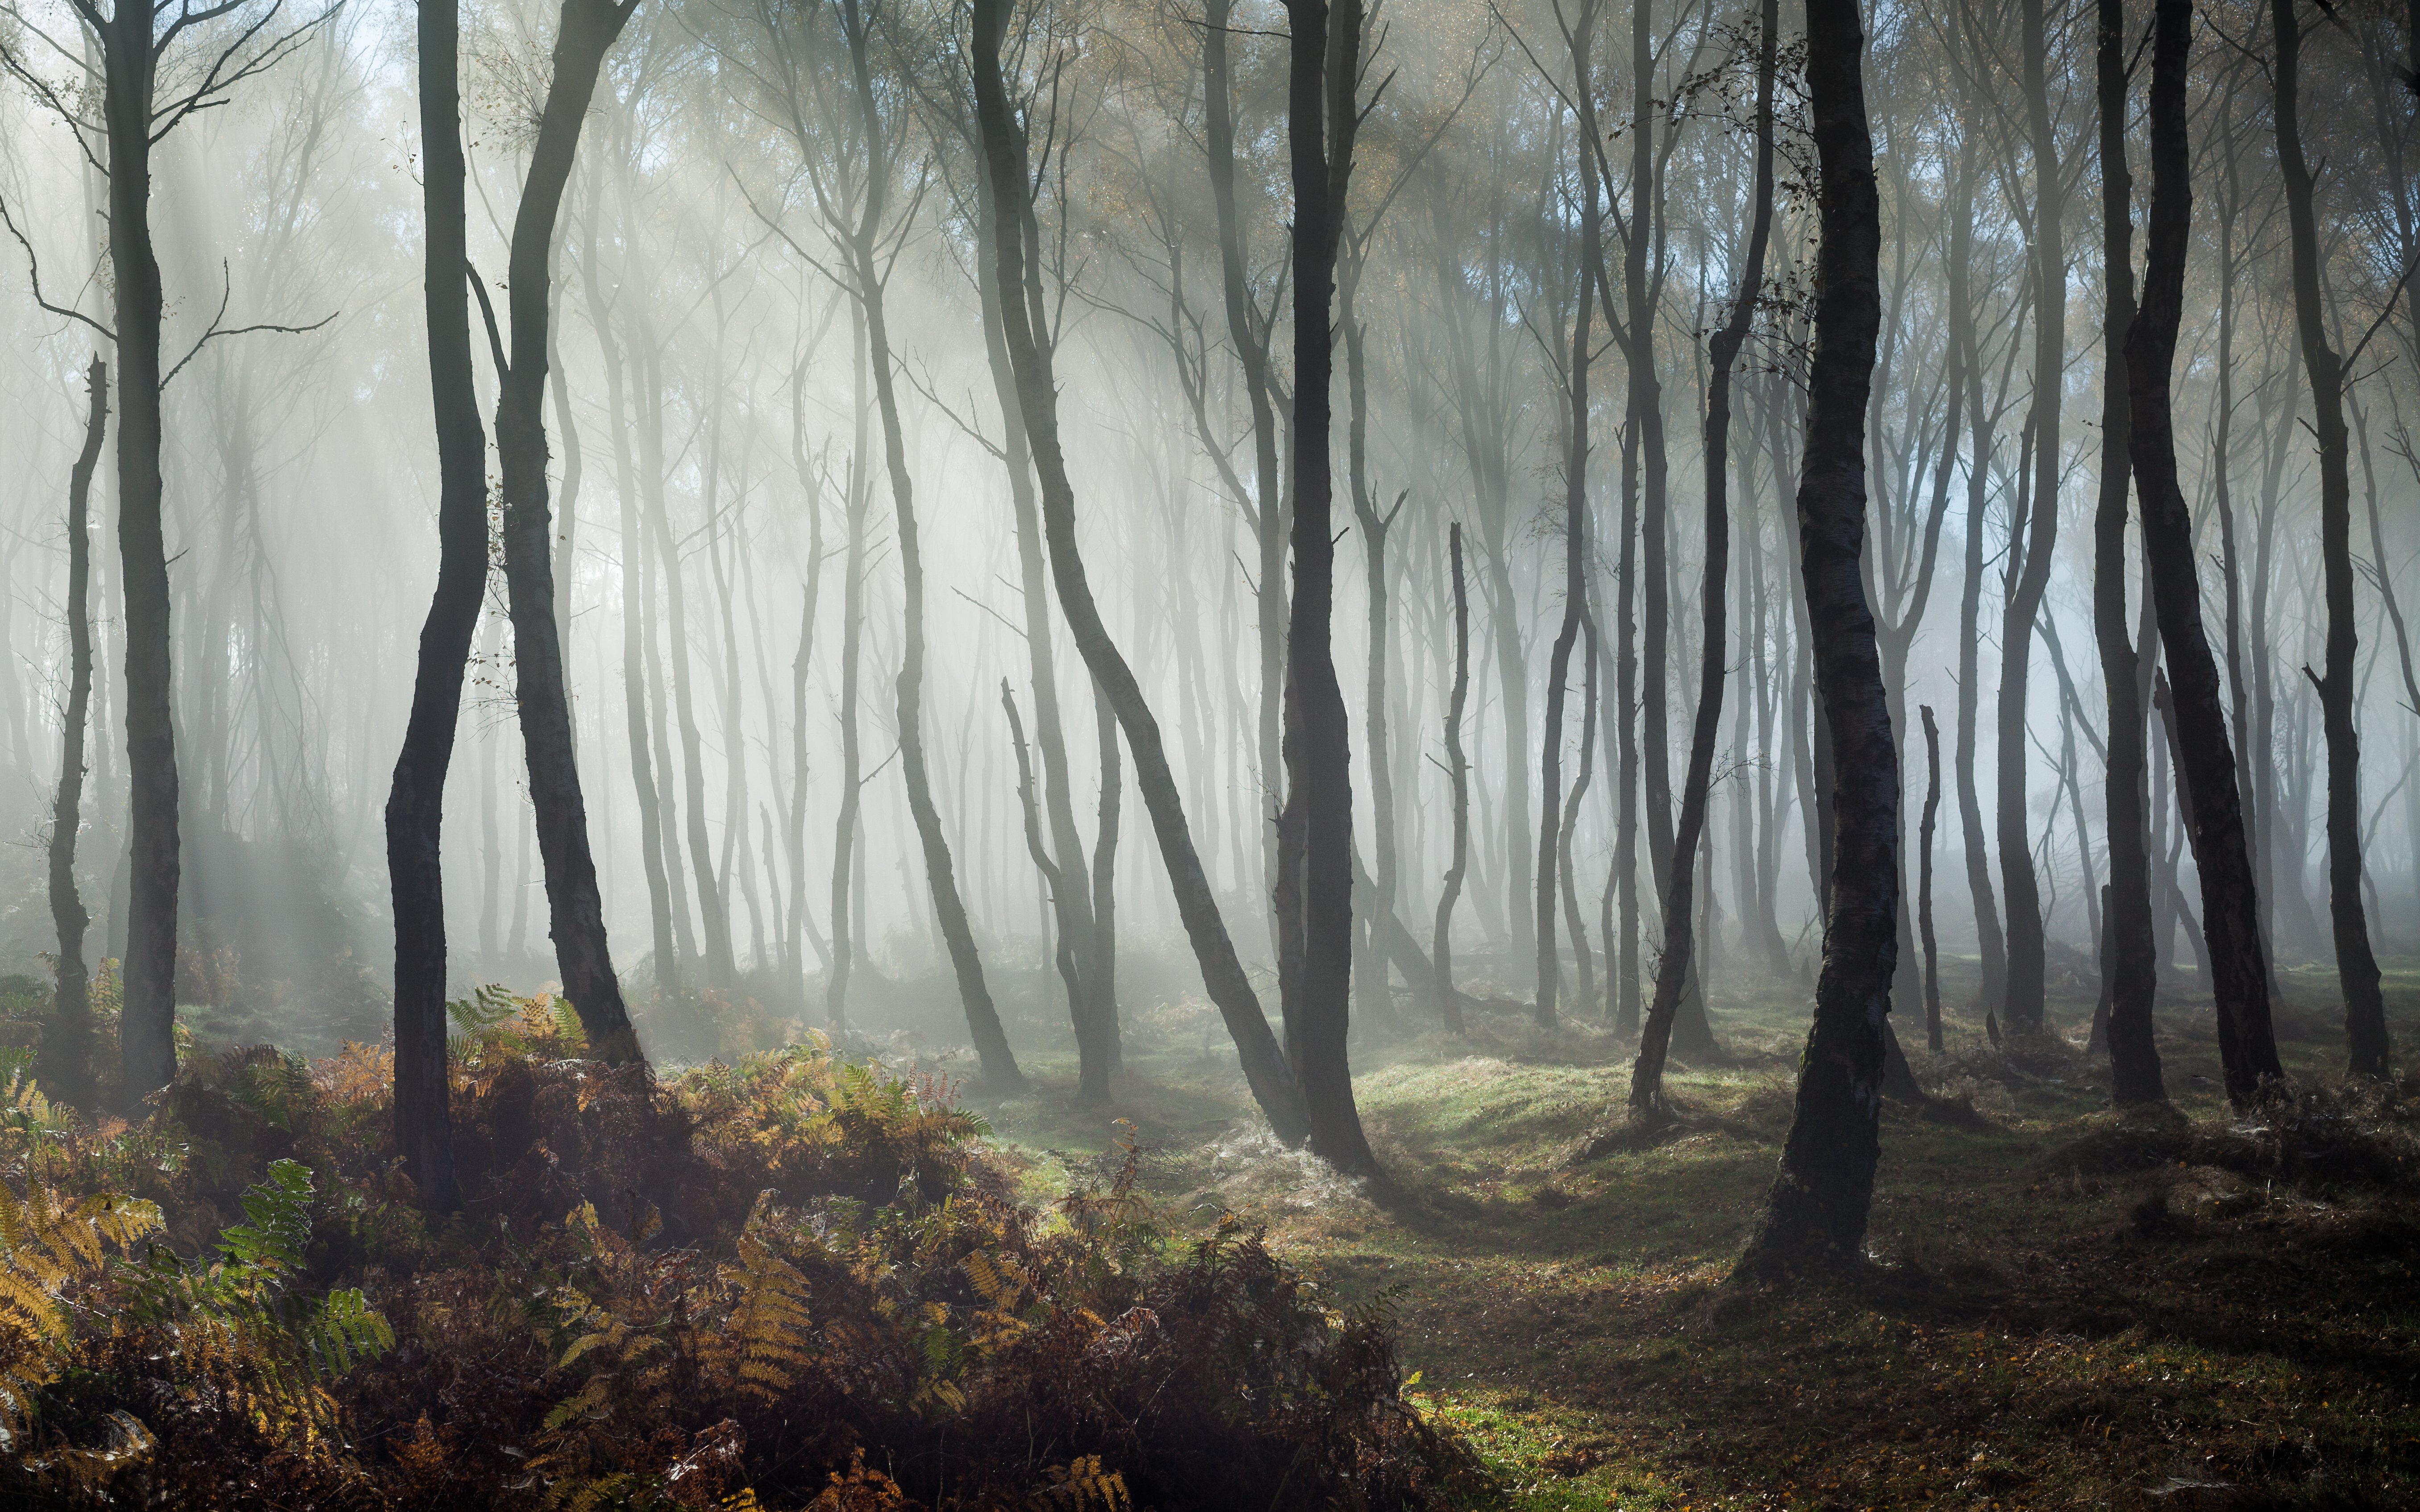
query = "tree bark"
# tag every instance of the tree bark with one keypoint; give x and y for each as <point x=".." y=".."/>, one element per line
<point x="1582" y="37"/>
<point x="1924" y="882"/>
<point x="66" y="1048"/>
<point x="146" y="1026"/>
<point x="424" y="1131"/>
<point x="2022" y="1012"/>
<point x="1815" y="1215"/>
<point x="2131" y="965"/>
<point x="1671" y="975"/>
<point x="2357" y="973"/>
<point x="1458" y="774"/>
<point x="1265" y="1068"/>
<point x="2205" y="767"/>
<point x="1315" y="892"/>
<point x="588" y="30"/>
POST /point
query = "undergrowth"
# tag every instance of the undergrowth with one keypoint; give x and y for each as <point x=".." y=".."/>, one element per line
<point x="788" y="1282"/>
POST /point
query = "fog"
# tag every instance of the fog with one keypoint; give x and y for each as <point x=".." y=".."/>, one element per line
<point x="726" y="552"/>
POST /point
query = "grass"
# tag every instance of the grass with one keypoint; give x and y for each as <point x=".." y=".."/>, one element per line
<point x="2058" y="1314"/>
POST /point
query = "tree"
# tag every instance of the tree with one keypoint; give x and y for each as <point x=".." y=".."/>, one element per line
<point x="416" y="805"/>
<point x="1266" y="1067"/>
<point x="134" y="119"/>
<point x="1815" y="1215"/>
<point x="2205" y="757"/>
<point x="66" y="1048"/>
<point x="1672" y="973"/>
<point x="586" y="31"/>
<point x="1458" y="774"/>
<point x="2357" y="973"/>
<point x="1314" y="887"/>
<point x="2132" y="962"/>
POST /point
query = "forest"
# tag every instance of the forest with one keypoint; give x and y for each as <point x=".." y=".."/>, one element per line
<point x="1795" y="883"/>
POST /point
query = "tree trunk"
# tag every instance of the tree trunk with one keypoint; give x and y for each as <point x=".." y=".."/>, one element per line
<point x="1314" y="891"/>
<point x="1671" y="975"/>
<point x="2130" y="971"/>
<point x="2357" y="973"/>
<point x="1582" y="37"/>
<point x="2206" y="775"/>
<point x="67" y="1047"/>
<point x="424" y="1131"/>
<point x="1815" y="1215"/>
<point x="1458" y="774"/>
<point x="576" y="910"/>
<point x="2022" y="1012"/>
<point x="1924" y="882"/>
<point x="147" y="1024"/>
<point x="1266" y="1069"/>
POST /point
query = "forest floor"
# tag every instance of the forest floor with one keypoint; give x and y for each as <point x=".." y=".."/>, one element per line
<point x="2067" y="1307"/>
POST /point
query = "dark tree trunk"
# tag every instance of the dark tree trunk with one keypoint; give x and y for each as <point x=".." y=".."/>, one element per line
<point x="66" y="1048"/>
<point x="2205" y="768"/>
<point x="1815" y="1215"/>
<point x="576" y="910"/>
<point x="2022" y="1012"/>
<point x="147" y="1024"/>
<point x="1101" y="980"/>
<point x="1315" y="830"/>
<point x="1458" y="774"/>
<point x="2130" y="970"/>
<point x="1265" y="1068"/>
<point x="869" y="274"/>
<point x="1582" y="961"/>
<point x="1645" y="407"/>
<point x="2357" y="973"/>
<point x="1924" y="882"/>
<point x="415" y="806"/>
<point x="1071" y="900"/>
<point x="1672" y="976"/>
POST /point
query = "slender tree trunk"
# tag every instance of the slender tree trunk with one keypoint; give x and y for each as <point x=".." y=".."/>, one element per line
<point x="1315" y="829"/>
<point x="1102" y="970"/>
<point x="2022" y="1012"/>
<point x="2357" y="973"/>
<point x="999" y="1069"/>
<point x="1458" y="774"/>
<point x="1924" y="882"/>
<point x="588" y="30"/>
<point x="1583" y="962"/>
<point x="1272" y="1079"/>
<point x="66" y="1048"/>
<point x="146" y="1026"/>
<point x="424" y="1132"/>
<point x="2131" y="962"/>
<point x="1072" y="900"/>
<point x="1672" y="976"/>
<point x="1816" y="1212"/>
<point x="1645" y="407"/>
<point x="1582" y="35"/>
<point x="2205" y="767"/>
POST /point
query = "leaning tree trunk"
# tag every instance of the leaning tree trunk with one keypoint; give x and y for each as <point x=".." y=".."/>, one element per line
<point x="1673" y="972"/>
<point x="1458" y="773"/>
<point x="1266" y="1069"/>
<point x="575" y="908"/>
<point x="1815" y="1215"/>
<point x="2357" y="972"/>
<point x="66" y="1048"/>
<point x="416" y="805"/>
<point x="2206" y="765"/>
<point x="1315" y="892"/>
<point x="1000" y="1070"/>
<point x="2130" y="968"/>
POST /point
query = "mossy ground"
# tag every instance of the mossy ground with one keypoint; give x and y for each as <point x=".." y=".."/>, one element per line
<point x="2055" y="1316"/>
